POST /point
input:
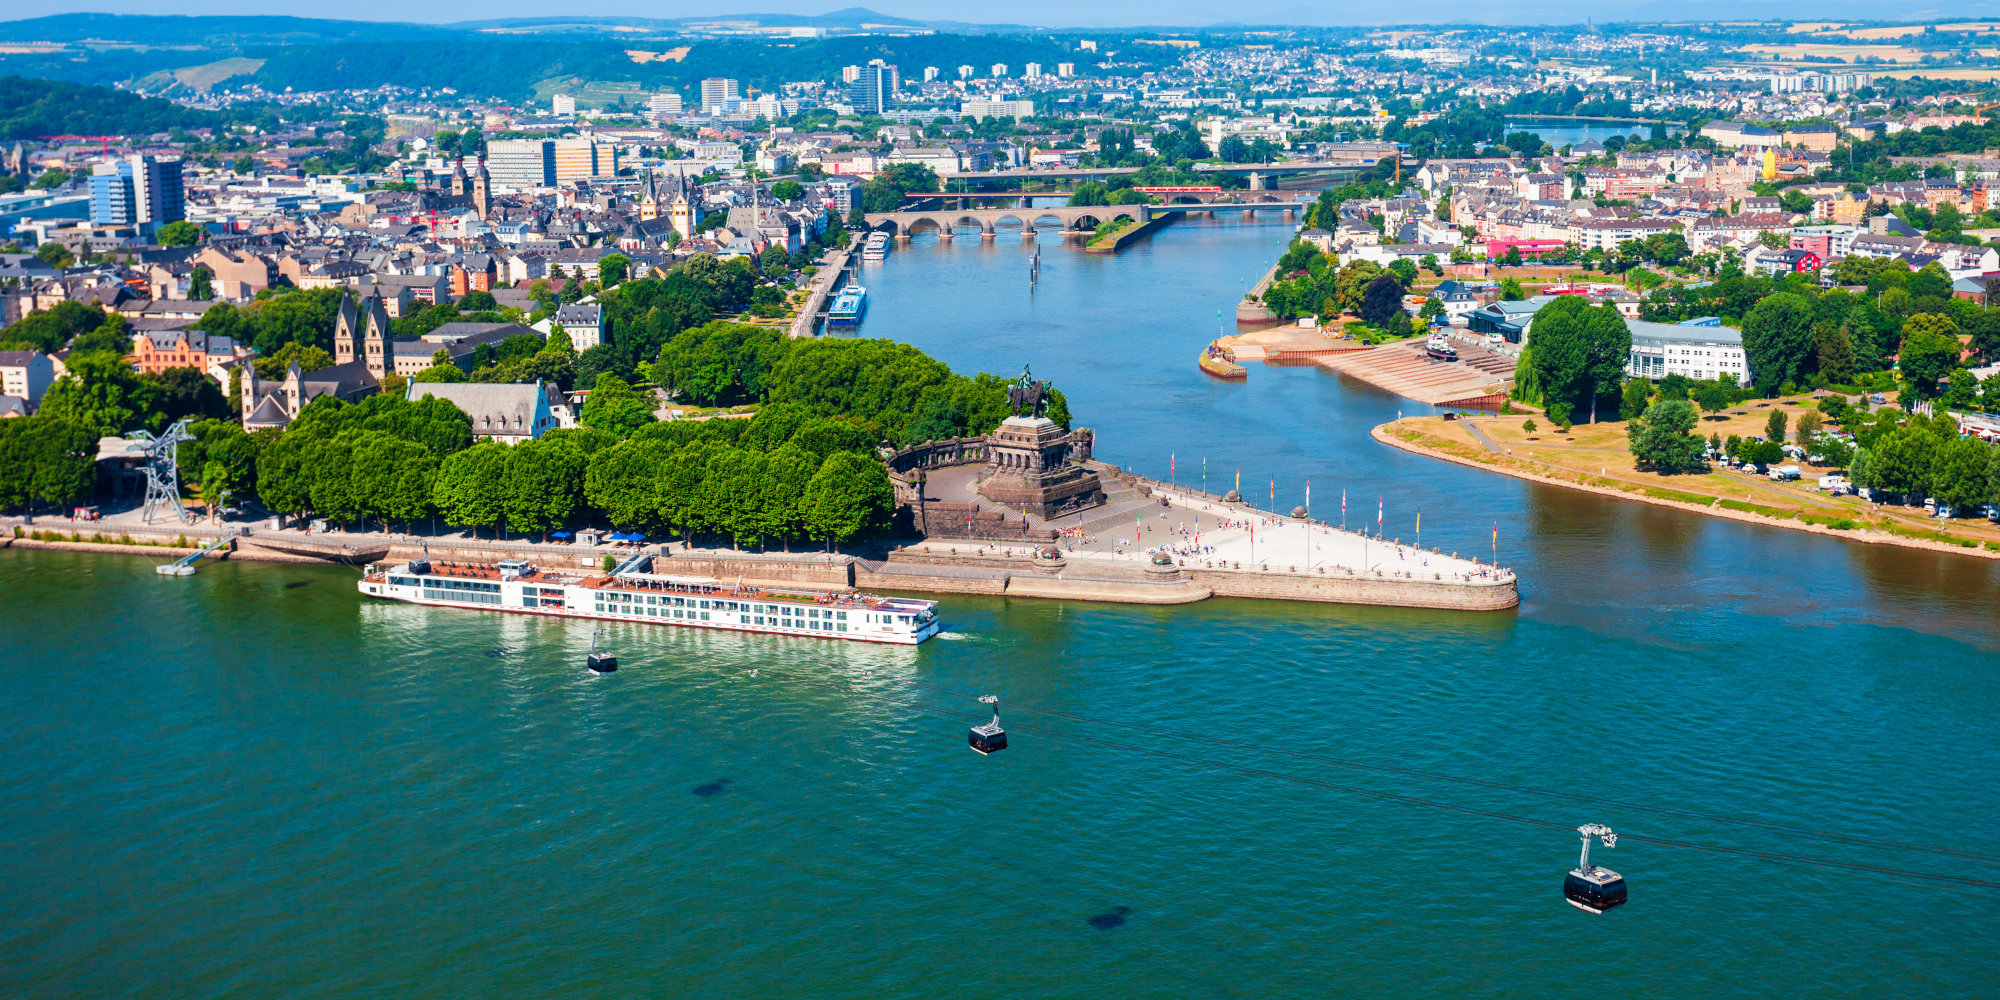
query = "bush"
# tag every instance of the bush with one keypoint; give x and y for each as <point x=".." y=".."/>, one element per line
<point x="1528" y="425"/>
<point x="1844" y="524"/>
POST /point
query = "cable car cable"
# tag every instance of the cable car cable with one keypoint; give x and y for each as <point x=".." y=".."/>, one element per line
<point x="1854" y="839"/>
<point x="1771" y="856"/>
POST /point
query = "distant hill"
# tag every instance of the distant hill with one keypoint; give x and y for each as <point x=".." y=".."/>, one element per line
<point x="31" y="108"/>
<point x="208" y="32"/>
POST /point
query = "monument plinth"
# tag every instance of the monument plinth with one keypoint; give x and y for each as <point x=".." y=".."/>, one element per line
<point x="1027" y="460"/>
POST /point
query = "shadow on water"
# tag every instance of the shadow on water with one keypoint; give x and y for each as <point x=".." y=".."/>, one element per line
<point x="1114" y="917"/>
<point x="711" y="789"/>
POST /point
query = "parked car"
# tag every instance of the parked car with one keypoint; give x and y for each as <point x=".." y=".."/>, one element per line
<point x="1878" y="399"/>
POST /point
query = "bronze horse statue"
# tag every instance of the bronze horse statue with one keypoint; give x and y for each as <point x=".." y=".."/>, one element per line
<point x="1028" y="396"/>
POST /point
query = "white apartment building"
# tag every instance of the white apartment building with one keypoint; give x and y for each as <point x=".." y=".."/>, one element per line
<point x="665" y="104"/>
<point x="1697" y="352"/>
<point x="564" y="104"/>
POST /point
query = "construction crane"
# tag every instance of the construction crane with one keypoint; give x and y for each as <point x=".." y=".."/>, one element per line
<point x="103" y="141"/>
<point x="1982" y="109"/>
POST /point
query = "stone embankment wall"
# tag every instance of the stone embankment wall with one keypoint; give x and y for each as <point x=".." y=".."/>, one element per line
<point x="1386" y="591"/>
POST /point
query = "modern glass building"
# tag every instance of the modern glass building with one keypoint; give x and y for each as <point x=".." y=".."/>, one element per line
<point x="137" y="190"/>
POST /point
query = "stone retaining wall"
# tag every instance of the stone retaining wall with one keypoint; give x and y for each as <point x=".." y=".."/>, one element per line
<point x="1361" y="590"/>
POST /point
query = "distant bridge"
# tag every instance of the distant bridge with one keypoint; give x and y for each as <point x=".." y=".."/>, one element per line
<point x="947" y="222"/>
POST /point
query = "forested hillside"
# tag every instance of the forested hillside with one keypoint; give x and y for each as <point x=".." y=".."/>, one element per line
<point x="30" y="108"/>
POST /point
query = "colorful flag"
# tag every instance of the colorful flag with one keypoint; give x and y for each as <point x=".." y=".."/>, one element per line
<point x="1378" y="512"/>
<point x="1239" y="482"/>
<point x="1274" y="490"/>
<point x="1496" y="533"/>
<point x="1170" y="464"/>
<point x="1343" y="500"/>
<point x="1309" y="494"/>
<point x="1420" y="520"/>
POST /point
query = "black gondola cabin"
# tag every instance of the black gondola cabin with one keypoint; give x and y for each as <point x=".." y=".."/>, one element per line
<point x="1595" y="889"/>
<point x="987" y="739"/>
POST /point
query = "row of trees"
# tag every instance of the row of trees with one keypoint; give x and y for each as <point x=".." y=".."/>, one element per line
<point x="782" y="476"/>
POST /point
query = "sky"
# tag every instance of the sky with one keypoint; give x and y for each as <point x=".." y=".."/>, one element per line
<point x="1068" y="13"/>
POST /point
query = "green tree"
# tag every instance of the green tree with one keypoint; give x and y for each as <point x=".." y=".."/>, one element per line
<point x="1633" y="401"/>
<point x="446" y="372"/>
<point x="1774" y="426"/>
<point x="50" y="330"/>
<point x="1962" y="477"/>
<point x="614" y="406"/>
<point x="542" y="485"/>
<point x="45" y="459"/>
<point x="395" y="478"/>
<point x="1579" y="353"/>
<point x="1778" y="341"/>
<point x="99" y="391"/>
<point x="611" y="269"/>
<point x="471" y="490"/>
<point x="788" y="191"/>
<point x="1905" y="460"/>
<point x="1930" y="351"/>
<point x="1835" y="353"/>
<point x="201" y="283"/>
<point x="178" y="234"/>
<point x="850" y="496"/>
<point x="622" y="482"/>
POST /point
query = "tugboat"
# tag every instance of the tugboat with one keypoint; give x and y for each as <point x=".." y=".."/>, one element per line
<point x="1440" y="349"/>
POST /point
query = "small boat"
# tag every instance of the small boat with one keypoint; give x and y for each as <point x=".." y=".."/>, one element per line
<point x="847" y="307"/>
<point x="876" y="248"/>
<point x="1440" y="349"/>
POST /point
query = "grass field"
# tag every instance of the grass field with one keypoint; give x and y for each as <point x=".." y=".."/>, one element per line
<point x="209" y="74"/>
<point x="1599" y="456"/>
<point x="671" y="55"/>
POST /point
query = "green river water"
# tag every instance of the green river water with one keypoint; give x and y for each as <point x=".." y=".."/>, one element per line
<point x="252" y="783"/>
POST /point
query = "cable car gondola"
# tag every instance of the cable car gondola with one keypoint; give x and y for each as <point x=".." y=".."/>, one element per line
<point x="602" y="662"/>
<point x="988" y="739"/>
<point x="1590" y="888"/>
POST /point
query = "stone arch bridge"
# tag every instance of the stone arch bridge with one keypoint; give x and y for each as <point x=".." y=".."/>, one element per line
<point x="947" y="222"/>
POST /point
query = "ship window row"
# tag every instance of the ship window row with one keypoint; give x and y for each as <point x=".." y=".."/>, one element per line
<point x="462" y="596"/>
<point x="474" y="586"/>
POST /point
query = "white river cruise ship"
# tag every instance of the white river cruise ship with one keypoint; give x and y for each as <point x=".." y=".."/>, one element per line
<point x="626" y="594"/>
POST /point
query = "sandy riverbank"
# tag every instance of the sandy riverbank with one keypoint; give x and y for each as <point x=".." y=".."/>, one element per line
<point x="1510" y="466"/>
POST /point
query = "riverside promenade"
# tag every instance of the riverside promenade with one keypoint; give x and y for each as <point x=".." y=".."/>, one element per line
<point x="1150" y="543"/>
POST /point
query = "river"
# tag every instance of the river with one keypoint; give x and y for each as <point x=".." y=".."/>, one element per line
<point x="249" y="782"/>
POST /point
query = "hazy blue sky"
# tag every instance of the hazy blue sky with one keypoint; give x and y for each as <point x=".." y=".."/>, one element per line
<point x="1101" y="13"/>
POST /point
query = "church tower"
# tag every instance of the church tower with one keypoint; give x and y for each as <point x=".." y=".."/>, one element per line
<point x="649" y="203"/>
<point x="682" y="211"/>
<point x="458" y="179"/>
<point x="482" y="192"/>
<point x="376" y="349"/>
<point x="346" y="332"/>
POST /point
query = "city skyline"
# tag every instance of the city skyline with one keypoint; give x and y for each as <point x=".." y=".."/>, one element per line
<point x="1114" y="14"/>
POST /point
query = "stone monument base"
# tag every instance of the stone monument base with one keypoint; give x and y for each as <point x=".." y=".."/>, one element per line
<point x="1028" y="469"/>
